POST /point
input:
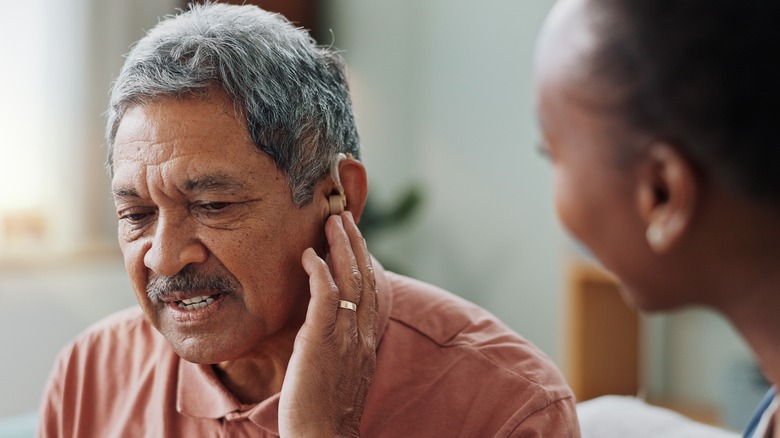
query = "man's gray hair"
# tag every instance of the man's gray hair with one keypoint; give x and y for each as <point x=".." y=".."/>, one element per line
<point x="292" y="93"/>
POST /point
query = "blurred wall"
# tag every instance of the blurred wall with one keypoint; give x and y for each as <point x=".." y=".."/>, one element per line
<point x="41" y="310"/>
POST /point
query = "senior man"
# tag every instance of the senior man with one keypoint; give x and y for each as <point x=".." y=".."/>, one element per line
<point x="233" y="150"/>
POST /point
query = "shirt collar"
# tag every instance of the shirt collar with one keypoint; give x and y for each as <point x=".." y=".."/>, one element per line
<point x="384" y="299"/>
<point x="199" y="393"/>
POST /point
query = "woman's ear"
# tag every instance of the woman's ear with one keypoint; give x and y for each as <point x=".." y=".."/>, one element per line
<point x="351" y="187"/>
<point x="667" y="196"/>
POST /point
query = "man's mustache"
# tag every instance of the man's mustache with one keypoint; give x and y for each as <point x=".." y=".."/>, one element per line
<point x="190" y="280"/>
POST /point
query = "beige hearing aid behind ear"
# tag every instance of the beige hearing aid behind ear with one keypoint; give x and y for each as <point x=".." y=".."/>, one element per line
<point x="337" y="202"/>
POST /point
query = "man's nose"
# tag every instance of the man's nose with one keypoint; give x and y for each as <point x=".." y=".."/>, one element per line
<point x="175" y="245"/>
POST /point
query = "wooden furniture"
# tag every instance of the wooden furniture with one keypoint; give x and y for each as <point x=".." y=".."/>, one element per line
<point x="603" y="343"/>
<point x="603" y="336"/>
<point x="304" y="13"/>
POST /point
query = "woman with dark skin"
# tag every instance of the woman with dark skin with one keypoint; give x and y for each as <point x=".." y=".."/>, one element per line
<point x="659" y="119"/>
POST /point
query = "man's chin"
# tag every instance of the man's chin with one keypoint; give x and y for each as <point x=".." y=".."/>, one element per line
<point x="200" y="348"/>
<point x="200" y="355"/>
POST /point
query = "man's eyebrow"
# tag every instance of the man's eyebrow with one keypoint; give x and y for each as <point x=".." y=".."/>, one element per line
<point x="214" y="182"/>
<point x="124" y="193"/>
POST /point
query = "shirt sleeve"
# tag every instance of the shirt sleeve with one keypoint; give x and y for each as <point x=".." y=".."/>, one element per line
<point x="51" y="421"/>
<point x="557" y="419"/>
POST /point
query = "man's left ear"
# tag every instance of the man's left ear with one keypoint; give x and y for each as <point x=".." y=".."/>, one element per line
<point x="353" y="178"/>
<point x="667" y="196"/>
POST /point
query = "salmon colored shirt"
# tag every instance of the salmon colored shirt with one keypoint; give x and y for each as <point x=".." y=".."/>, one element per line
<point x="445" y="368"/>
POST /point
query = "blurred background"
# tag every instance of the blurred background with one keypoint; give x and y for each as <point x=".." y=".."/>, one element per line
<point x="459" y="196"/>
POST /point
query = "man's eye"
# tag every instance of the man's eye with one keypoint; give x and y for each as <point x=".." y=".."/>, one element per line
<point x="215" y="206"/>
<point x="219" y="214"/>
<point x="134" y="217"/>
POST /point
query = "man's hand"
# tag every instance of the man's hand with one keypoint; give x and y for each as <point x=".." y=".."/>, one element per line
<point x="329" y="373"/>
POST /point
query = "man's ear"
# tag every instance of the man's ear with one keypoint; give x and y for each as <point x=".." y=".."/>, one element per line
<point x="667" y="194"/>
<point x="354" y="180"/>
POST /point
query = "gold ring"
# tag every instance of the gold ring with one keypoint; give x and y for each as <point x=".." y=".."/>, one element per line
<point x="344" y="304"/>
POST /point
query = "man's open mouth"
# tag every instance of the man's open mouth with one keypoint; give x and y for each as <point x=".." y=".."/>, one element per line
<point x="198" y="302"/>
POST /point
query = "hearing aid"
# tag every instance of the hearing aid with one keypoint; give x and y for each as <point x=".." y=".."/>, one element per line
<point x="337" y="202"/>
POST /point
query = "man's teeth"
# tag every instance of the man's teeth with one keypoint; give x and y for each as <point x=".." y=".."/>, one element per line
<point x="195" y="299"/>
<point x="196" y="302"/>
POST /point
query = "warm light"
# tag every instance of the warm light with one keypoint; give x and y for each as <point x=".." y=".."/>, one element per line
<point x="20" y="163"/>
<point x="22" y="119"/>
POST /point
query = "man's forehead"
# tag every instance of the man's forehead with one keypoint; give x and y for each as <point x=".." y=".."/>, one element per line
<point x="185" y="146"/>
<point x="209" y="182"/>
<point x="165" y="114"/>
<point x="192" y="174"/>
<point x="181" y="135"/>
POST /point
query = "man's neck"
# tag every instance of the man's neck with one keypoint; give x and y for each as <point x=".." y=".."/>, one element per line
<point x="255" y="378"/>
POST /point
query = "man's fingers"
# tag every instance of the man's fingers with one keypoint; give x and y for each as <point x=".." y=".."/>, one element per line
<point x="342" y="261"/>
<point x="352" y="271"/>
<point x="324" y="293"/>
<point x="335" y="344"/>
<point x="367" y="311"/>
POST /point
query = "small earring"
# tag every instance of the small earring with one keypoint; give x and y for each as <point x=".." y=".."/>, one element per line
<point x="655" y="236"/>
